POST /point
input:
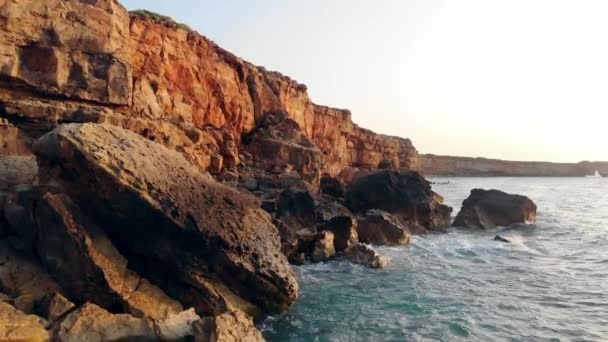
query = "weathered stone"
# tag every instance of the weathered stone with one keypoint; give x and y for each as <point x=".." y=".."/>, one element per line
<point x="404" y="194"/>
<point x="88" y="266"/>
<point x="54" y="306"/>
<point x="323" y="248"/>
<point x="486" y="209"/>
<point x="203" y="234"/>
<point x="250" y="184"/>
<point x="17" y="326"/>
<point x="233" y="326"/>
<point x="336" y="218"/>
<point x="381" y="228"/>
<point x="177" y="326"/>
<point x="92" y="323"/>
<point x="363" y="255"/>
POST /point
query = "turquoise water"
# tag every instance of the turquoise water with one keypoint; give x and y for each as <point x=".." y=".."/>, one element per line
<point x="550" y="284"/>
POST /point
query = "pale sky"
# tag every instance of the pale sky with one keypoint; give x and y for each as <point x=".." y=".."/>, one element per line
<point x="509" y="79"/>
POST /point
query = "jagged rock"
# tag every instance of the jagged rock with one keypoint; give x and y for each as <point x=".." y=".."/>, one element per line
<point x="177" y="326"/>
<point x="486" y="209"/>
<point x="201" y="233"/>
<point x="364" y="255"/>
<point x="23" y="279"/>
<point x="92" y="323"/>
<point x="336" y="218"/>
<point x="54" y="306"/>
<point x="298" y="207"/>
<point x="323" y="247"/>
<point x="87" y="265"/>
<point x="13" y="141"/>
<point x="233" y="326"/>
<point x="501" y="239"/>
<point x="332" y="186"/>
<point x="75" y="49"/>
<point x="18" y="326"/>
<point x="381" y="228"/>
<point x="404" y="194"/>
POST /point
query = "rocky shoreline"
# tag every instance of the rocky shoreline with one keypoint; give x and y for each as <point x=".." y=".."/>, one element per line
<point x="147" y="197"/>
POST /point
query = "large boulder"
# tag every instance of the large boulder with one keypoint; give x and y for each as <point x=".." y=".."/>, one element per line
<point x="381" y="228"/>
<point x="334" y="217"/>
<point x="331" y="186"/>
<point x="486" y="209"/>
<point x="404" y="194"/>
<point x="88" y="266"/>
<point x="207" y="245"/>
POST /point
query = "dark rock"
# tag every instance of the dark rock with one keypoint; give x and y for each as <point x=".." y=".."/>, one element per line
<point x="298" y="206"/>
<point x="404" y="194"/>
<point x="55" y="306"/>
<point x="381" y="228"/>
<point x="386" y="164"/>
<point x="216" y="245"/>
<point x="501" y="239"/>
<point x="336" y="218"/>
<point x="487" y="209"/>
<point x="332" y="186"/>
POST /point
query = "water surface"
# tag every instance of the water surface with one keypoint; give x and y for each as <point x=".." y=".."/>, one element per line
<point x="550" y="284"/>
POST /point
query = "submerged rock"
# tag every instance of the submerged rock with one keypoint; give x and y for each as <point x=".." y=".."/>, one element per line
<point x="501" y="239"/>
<point x="364" y="255"/>
<point x="487" y="209"/>
<point x="381" y="228"/>
<point x="404" y="194"/>
<point x="208" y="245"/>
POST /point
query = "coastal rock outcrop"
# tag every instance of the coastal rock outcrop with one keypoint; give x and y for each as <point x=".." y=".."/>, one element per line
<point x="364" y="255"/>
<point x="404" y="194"/>
<point x="381" y="228"/>
<point x="486" y="209"/>
<point x="180" y="217"/>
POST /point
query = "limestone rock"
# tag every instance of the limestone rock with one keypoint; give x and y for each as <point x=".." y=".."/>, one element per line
<point x="140" y="191"/>
<point x="486" y="209"/>
<point x="381" y="228"/>
<point x="85" y="262"/>
<point x="323" y="248"/>
<point x="17" y="326"/>
<point x="233" y="326"/>
<point x="176" y="327"/>
<point x="336" y="218"/>
<point x="404" y="194"/>
<point x="54" y="306"/>
<point x="364" y="255"/>
<point x="92" y="323"/>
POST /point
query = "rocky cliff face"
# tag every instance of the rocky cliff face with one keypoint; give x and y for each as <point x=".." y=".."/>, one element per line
<point x="433" y="165"/>
<point x="89" y="61"/>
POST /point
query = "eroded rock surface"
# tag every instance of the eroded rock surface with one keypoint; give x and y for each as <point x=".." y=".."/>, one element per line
<point x="381" y="228"/>
<point x="404" y="194"/>
<point x="486" y="209"/>
<point x="179" y="216"/>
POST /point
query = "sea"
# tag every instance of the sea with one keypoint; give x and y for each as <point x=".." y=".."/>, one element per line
<point x="549" y="284"/>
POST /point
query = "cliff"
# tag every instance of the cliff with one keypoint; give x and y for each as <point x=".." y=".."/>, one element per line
<point x="434" y="165"/>
<point x="90" y="61"/>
